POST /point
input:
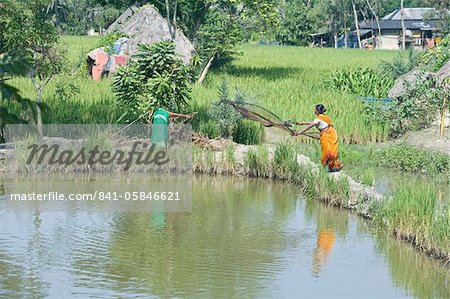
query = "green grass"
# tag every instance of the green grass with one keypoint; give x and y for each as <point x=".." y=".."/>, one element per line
<point x="287" y="80"/>
<point x="413" y="213"/>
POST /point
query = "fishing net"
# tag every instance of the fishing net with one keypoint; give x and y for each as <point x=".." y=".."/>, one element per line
<point x="260" y="114"/>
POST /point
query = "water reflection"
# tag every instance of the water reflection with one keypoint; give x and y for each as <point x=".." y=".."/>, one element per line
<point x="414" y="271"/>
<point x="325" y="242"/>
<point x="244" y="238"/>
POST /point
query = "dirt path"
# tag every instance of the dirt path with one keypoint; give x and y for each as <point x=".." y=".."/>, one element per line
<point x="429" y="139"/>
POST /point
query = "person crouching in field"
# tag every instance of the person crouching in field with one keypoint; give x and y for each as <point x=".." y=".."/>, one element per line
<point x="161" y="119"/>
<point x="328" y="138"/>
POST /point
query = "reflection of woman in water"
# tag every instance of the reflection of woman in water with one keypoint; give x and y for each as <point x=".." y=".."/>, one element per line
<point x="325" y="242"/>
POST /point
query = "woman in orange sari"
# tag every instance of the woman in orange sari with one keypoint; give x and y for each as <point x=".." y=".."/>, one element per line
<point x="328" y="138"/>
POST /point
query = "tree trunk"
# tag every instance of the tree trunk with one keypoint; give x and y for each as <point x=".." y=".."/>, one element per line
<point x="206" y="69"/>
<point x="402" y="13"/>
<point x="378" y="23"/>
<point x="174" y="20"/>
<point x="335" y="40"/>
<point x="169" y="22"/>
<point x="345" y="34"/>
<point x="38" y="110"/>
<point x="357" y="25"/>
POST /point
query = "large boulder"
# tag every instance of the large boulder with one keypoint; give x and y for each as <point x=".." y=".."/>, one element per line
<point x="411" y="78"/>
<point x="146" y="26"/>
<point x="444" y="72"/>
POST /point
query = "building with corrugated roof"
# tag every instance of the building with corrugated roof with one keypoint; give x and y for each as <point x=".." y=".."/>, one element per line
<point x="420" y="24"/>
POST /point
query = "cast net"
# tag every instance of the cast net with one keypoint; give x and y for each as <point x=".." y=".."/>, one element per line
<point x="260" y="114"/>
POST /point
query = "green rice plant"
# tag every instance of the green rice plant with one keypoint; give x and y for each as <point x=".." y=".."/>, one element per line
<point x="209" y="128"/>
<point x="365" y="82"/>
<point x="286" y="80"/>
<point x="284" y="160"/>
<point x="409" y="158"/>
<point x="256" y="162"/>
<point x="230" y="158"/>
<point x="248" y="132"/>
<point x="411" y="214"/>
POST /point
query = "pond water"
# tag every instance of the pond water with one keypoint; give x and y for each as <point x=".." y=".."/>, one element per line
<point x="244" y="238"/>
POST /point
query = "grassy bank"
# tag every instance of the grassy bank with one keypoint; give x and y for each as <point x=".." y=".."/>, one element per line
<point x="287" y="80"/>
<point x="412" y="212"/>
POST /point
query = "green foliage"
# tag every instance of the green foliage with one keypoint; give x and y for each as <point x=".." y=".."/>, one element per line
<point x="76" y="17"/>
<point x="417" y="108"/>
<point x="218" y="38"/>
<point x="66" y="87"/>
<point x="434" y="59"/>
<point x="224" y="114"/>
<point x="248" y="132"/>
<point x="108" y="40"/>
<point x="408" y="158"/>
<point x="403" y="62"/>
<point x="257" y="162"/>
<point x="9" y="95"/>
<point x="156" y="78"/>
<point x="296" y="25"/>
<point x="360" y="81"/>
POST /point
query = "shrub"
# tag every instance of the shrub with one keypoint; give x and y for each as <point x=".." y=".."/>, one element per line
<point x="66" y="88"/>
<point x="434" y="59"/>
<point x="225" y="115"/>
<point x="156" y="78"/>
<point x="417" y="108"/>
<point x="296" y="25"/>
<point x="403" y="62"/>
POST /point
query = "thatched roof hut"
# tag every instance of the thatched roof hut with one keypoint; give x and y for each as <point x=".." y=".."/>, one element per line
<point x="146" y="26"/>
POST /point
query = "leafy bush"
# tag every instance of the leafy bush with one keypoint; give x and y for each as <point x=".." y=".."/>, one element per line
<point x="364" y="82"/>
<point x="225" y="115"/>
<point x="248" y="132"/>
<point x="66" y="88"/>
<point x="434" y="59"/>
<point x="296" y="25"/>
<point x="409" y="158"/>
<point x="417" y="108"/>
<point x="155" y="78"/>
<point x="404" y="62"/>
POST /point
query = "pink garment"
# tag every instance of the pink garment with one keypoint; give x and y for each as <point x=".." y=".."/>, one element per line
<point x="101" y="60"/>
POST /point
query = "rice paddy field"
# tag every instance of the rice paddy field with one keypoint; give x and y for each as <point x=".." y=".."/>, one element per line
<point x="286" y="80"/>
